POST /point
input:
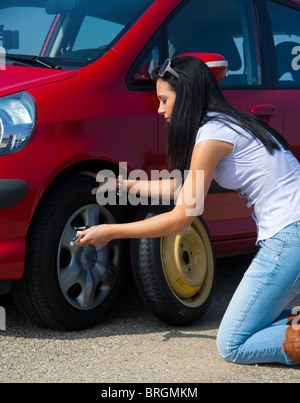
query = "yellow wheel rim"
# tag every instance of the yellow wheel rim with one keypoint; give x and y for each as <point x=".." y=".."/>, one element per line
<point x="188" y="264"/>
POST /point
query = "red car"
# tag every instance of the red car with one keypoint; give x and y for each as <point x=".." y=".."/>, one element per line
<point x="76" y="95"/>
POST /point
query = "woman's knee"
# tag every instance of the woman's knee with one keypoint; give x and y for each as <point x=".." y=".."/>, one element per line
<point x="224" y="349"/>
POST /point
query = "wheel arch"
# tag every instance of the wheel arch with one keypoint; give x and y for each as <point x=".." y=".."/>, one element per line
<point x="93" y="165"/>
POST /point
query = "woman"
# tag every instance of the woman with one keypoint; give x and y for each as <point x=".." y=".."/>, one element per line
<point x="242" y="153"/>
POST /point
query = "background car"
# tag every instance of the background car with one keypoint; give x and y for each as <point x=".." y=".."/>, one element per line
<point x="76" y="95"/>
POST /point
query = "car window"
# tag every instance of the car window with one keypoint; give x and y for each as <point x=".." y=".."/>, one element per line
<point x="74" y="32"/>
<point x="143" y="73"/>
<point x="218" y="26"/>
<point x="90" y="28"/>
<point x="95" y="32"/>
<point x="228" y="28"/>
<point x="285" y="23"/>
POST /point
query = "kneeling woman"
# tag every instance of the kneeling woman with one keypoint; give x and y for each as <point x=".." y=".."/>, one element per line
<point x="240" y="152"/>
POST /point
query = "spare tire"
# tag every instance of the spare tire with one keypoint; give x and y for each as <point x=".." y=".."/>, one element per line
<point x="175" y="274"/>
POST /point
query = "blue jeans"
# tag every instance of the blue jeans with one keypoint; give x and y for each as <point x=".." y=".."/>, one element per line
<point x="254" y="325"/>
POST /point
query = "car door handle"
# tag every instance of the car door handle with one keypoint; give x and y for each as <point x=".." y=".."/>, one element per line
<point x="263" y="110"/>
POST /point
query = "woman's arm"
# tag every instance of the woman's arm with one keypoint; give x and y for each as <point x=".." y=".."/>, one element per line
<point x="156" y="189"/>
<point x="205" y="158"/>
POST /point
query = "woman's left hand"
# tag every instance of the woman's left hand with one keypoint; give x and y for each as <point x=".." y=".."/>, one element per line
<point x="97" y="235"/>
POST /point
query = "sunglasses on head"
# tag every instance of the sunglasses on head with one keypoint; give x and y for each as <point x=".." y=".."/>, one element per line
<point x="166" y="67"/>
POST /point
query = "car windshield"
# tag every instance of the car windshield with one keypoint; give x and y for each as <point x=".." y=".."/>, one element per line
<point x="65" y="33"/>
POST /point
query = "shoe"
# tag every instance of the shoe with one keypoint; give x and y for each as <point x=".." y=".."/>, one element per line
<point x="292" y="343"/>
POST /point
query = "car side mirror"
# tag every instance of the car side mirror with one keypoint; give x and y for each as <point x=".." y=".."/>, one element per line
<point x="216" y="62"/>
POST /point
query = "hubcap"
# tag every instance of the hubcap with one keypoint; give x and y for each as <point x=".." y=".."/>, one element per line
<point x="87" y="275"/>
<point x="88" y="257"/>
<point x="188" y="264"/>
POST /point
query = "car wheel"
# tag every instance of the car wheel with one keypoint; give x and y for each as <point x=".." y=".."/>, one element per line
<point x="175" y="274"/>
<point x="64" y="286"/>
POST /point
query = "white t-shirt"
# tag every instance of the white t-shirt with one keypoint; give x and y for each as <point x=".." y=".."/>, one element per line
<point x="271" y="182"/>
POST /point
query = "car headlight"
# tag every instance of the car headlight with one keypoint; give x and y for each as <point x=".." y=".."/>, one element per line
<point x="17" y="121"/>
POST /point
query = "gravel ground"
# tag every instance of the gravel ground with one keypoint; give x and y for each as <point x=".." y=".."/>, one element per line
<point x="131" y="346"/>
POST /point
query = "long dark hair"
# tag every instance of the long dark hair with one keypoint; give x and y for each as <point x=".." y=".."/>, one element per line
<point x="197" y="93"/>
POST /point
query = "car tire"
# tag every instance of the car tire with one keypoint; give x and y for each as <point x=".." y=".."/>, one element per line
<point x="175" y="275"/>
<point x="64" y="286"/>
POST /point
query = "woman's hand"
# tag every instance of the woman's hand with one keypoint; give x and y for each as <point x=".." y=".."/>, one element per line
<point x="96" y="235"/>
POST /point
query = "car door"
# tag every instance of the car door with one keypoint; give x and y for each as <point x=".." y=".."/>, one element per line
<point x="229" y="28"/>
